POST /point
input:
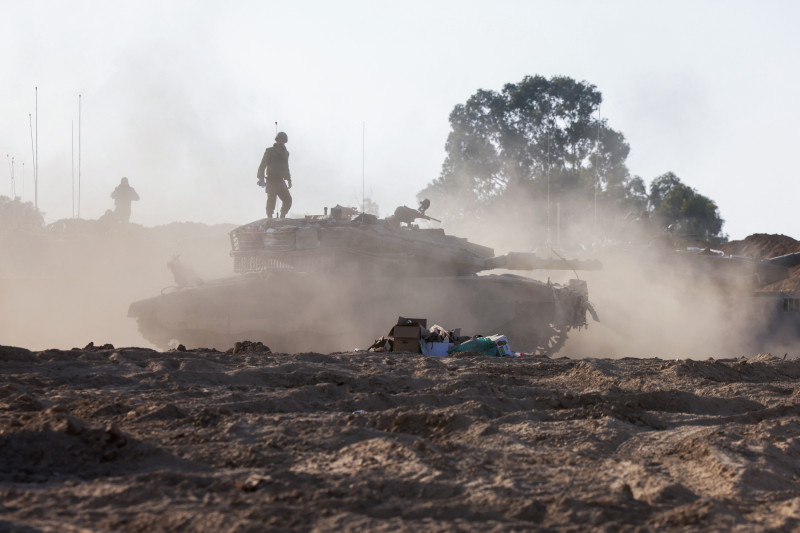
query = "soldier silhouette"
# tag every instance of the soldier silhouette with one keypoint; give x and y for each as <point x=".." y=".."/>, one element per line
<point x="123" y="195"/>
<point x="278" y="179"/>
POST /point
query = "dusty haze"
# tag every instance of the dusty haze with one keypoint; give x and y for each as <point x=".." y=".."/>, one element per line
<point x="74" y="282"/>
<point x="648" y="306"/>
<point x="66" y="287"/>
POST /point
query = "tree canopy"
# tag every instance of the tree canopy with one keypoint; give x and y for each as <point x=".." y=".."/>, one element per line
<point x="684" y="210"/>
<point x="537" y="141"/>
<point x="539" y="147"/>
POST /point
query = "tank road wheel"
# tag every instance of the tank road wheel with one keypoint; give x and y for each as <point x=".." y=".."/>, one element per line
<point x="543" y="340"/>
<point x="551" y="340"/>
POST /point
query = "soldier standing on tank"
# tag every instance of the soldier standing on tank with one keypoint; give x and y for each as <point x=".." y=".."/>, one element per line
<point x="278" y="179"/>
<point x="123" y="195"/>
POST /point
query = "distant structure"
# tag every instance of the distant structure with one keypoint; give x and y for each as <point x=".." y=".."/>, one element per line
<point x="123" y="195"/>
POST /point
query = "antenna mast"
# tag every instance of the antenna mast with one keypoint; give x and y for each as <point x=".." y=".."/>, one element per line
<point x="363" y="167"/>
<point x="36" y="157"/>
<point x="547" y="234"/>
<point x="596" y="171"/>
<point x="79" y="156"/>
<point x="72" y="166"/>
<point x="11" y="169"/>
<point x="33" y="153"/>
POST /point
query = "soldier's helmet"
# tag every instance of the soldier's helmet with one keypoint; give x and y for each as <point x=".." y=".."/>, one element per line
<point x="281" y="136"/>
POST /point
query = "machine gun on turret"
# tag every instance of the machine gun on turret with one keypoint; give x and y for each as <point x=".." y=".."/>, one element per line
<point x="409" y="215"/>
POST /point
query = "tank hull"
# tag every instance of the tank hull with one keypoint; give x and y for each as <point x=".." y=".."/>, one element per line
<point x="296" y="312"/>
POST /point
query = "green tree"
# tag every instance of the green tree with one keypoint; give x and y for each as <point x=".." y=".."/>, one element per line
<point x="659" y="188"/>
<point x="684" y="210"/>
<point x="538" y="141"/>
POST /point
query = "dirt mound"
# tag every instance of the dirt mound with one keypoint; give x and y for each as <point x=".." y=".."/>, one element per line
<point x="764" y="246"/>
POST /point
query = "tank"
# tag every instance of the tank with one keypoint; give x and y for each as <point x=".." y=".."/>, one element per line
<point x="338" y="281"/>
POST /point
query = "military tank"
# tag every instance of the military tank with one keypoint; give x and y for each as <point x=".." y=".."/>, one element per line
<point x="338" y="281"/>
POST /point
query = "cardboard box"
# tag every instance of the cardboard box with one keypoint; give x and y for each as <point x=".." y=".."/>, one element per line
<point x="407" y="334"/>
<point x="408" y="339"/>
<point x="503" y="349"/>
<point x="407" y="331"/>
<point x="406" y="344"/>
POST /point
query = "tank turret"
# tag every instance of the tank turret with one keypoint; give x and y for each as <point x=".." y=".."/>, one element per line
<point x="395" y="244"/>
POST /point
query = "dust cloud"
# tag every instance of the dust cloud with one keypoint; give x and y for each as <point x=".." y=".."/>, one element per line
<point x="649" y="309"/>
<point x="654" y="298"/>
<point x="71" y="282"/>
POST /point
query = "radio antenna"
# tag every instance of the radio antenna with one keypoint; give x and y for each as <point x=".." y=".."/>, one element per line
<point x="547" y="227"/>
<point x="33" y="153"/>
<point x="72" y="166"/>
<point x="363" y="168"/>
<point x="596" y="171"/>
<point x="36" y="157"/>
<point x="11" y="169"/>
<point x="79" y="156"/>
<point x="276" y="127"/>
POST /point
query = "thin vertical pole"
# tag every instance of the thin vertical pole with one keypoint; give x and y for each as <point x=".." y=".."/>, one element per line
<point x="79" y="156"/>
<point x="363" y="168"/>
<point x="36" y="155"/>
<point x="547" y="234"/>
<point x="11" y="171"/>
<point x="33" y="153"/>
<point x="72" y="165"/>
<point x="596" y="171"/>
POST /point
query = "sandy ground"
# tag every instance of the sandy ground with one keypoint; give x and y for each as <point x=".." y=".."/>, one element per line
<point x="132" y="439"/>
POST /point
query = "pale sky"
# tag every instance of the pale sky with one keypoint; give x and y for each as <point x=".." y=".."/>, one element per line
<point x="182" y="97"/>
